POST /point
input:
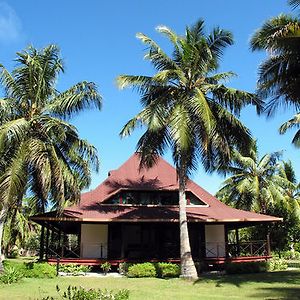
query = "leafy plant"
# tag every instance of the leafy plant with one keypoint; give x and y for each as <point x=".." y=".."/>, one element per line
<point x="10" y="275"/>
<point x="74" y="269"/>
<point x="277" y="264"/>
<point x="39" y="270"/>
<point x="142" y="270"/>
<point x="106" y="267"/>
<point x="167" y="270"/>
<point x="79" y="293"/>
<point x="291" y="255"/>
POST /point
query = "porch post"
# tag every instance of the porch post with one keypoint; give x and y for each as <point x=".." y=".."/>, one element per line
<point x="47" y="240"/>
<point x="122" y="241"/>
<point x="268" y="245"/>
<point x="226" y="240"/>
<point x="237" y="241"/>
<point x="42" y="241"/>
<point x="63" y="245"/>
<point x="59" y="240"/>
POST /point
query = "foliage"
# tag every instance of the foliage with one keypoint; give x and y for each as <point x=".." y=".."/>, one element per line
<point x="277" y="264"/>
<point x="246" y="267"/>
<point x="41" y="153"/>
<point x="106" y="267"/>
<point x="291" y="255"/>
<point x="10" y="275"/>
<point x="279" y="74"/>
<point x="167" y="270"/>
<point x="74" y="269"/>
<point x="293" y="264"/>
<point x="32" y="243"/>
<point x="255" y="183"/>
<point x="39" y="270"/>
<point x="142" y="270"/>
<point x="282" y="234"/>
<point x="79" y="293"/>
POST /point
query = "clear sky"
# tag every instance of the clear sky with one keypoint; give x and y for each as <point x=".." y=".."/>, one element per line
<point x="97" y="40"/>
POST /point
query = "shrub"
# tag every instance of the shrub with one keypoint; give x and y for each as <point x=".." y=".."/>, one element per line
<point x="39" y="270"/>
<point x="106" y="267"/>
<point x="293" y="264"/>
<point x="167" y="270"/>
<point x="74" y="269"/>
<point x="291" y="255"/>
<point x="246" y="267"/>
<point x="142" y="270"/>
<point x="276" y="264"/>
<point x="10" y="275"/>
<point x="79" y="293"/>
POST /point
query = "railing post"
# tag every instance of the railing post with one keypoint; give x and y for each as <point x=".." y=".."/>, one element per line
<point x="251" y="248"/>
<point x="218" y="250"/>
<point x="101" y="251"/>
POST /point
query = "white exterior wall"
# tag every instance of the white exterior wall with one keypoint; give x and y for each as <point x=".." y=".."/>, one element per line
<point x="215" y="240"/>
<point x="93" y="236"/>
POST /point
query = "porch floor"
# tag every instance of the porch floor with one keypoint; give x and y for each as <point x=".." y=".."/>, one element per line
<point x="116" y="262"/>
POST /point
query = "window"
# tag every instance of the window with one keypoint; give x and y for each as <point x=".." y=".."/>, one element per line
<point x="152" y="198"/>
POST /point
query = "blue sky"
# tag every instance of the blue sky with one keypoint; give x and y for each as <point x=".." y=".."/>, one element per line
<point x="97" y="40"/>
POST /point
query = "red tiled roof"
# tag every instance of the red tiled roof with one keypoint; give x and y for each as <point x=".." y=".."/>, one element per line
<point x="161" y="177"/>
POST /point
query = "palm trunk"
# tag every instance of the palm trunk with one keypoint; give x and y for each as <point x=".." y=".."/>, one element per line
<point x="188" y="269"/>
<point x="1" y="234"/>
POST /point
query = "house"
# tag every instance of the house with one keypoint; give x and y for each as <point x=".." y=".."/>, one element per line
<point x="133" y="216"/>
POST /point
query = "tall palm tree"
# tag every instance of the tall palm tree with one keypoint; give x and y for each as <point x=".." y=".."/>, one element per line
<point x="255" y="182"/>
<point x="279" y="74"/>
<point x="42" y="154"/>
<point x="187" y="107"/>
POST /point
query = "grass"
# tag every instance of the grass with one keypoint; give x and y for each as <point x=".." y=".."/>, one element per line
<point x="271" y="286"/>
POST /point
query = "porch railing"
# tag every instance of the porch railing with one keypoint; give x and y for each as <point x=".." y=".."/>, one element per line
<point x="242" y="249"/>
<point x="252" y="248"/>
<point x="94" y="250"/>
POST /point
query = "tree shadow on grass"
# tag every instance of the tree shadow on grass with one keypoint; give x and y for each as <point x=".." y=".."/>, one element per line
<point x="286" y="277"/>
<point x="278" y="293"/>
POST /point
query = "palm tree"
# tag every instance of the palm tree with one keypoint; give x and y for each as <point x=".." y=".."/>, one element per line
<point x="279" y="74"/>
<point x="187" y="107"/>
<point x="42" y="154"/>
<point x="255" y="182"/>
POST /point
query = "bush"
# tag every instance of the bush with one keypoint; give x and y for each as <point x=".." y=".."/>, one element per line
<point x="106" y="267"/>
<point x="277" y="264"/>
<point x="39" y="270"/>
<point x="291" y="255"/>
<point x="167" y="270"/>
<point x="79" y="293"/>
<point x="142" y="270"/>
<point x="10" y="275"/>
<point x="246" y="267"/>
<point x="74" y="269"/>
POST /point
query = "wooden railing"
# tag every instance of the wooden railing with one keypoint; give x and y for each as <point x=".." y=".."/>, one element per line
<point x="241" y="249"/>
<point x="251" y="248"/>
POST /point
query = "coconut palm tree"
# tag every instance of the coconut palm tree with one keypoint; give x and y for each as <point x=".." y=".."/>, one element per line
<point x="187" y="107"/>
<point x="279" y="74"/>
<point x="255" y="182"/>
<point x="42" y="154"/>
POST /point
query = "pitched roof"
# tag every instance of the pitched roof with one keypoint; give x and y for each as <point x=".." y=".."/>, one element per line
<point x="161" y="177"/>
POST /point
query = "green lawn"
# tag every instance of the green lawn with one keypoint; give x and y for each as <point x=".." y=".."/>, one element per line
<point x="271" y="286"/>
